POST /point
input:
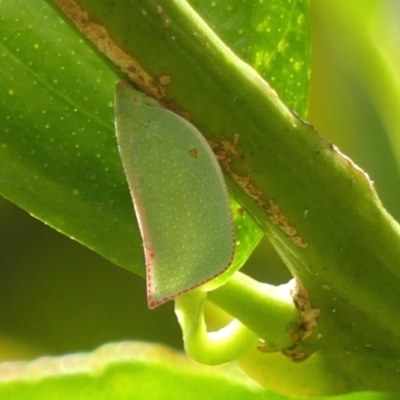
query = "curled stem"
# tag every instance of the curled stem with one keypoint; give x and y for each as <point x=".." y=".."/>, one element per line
<point x="261" y="311"/>
<point x="211" y="348"/>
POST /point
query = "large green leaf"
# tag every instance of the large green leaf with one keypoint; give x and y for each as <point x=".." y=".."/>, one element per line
<point x="124" y="371"/>
<point x="58" y="152"/>
<point x="130" y="370"/>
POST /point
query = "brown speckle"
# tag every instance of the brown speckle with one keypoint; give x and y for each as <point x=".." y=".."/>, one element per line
<point x="279" y="219"/>
<point x="165" y="80"/>
<point x="99" y="36"/>
<point x="308" y="314"/>
<point x="226" y="151"/>
<point x="194" y="153"/>
<point x="308" y="321"/>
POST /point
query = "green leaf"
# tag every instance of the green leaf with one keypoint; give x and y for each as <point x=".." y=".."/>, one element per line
<point x="125" y="371"/>
<point x="135" y="370"/>
<point x="272" y="36"/>
<point x="57" y="146"/>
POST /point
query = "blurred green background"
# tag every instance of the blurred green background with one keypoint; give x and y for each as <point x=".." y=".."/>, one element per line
<point x="57" y="296"/>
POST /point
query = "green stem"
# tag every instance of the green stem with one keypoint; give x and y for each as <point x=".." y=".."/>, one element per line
<point x="261" y="311"/>
<point x="212" y="348"/>
<point x="267" y="310"/>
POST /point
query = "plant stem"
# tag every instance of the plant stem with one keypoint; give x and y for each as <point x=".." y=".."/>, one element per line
<point x="267" y="310"/>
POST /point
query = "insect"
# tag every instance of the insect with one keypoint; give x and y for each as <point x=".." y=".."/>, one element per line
<point x="179" y="195"/>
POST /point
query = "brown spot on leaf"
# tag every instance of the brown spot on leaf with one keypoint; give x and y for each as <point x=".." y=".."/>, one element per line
<point x="194" y="153"/>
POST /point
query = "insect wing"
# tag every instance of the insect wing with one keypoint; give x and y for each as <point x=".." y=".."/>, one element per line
<point x="179" y="196"/>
